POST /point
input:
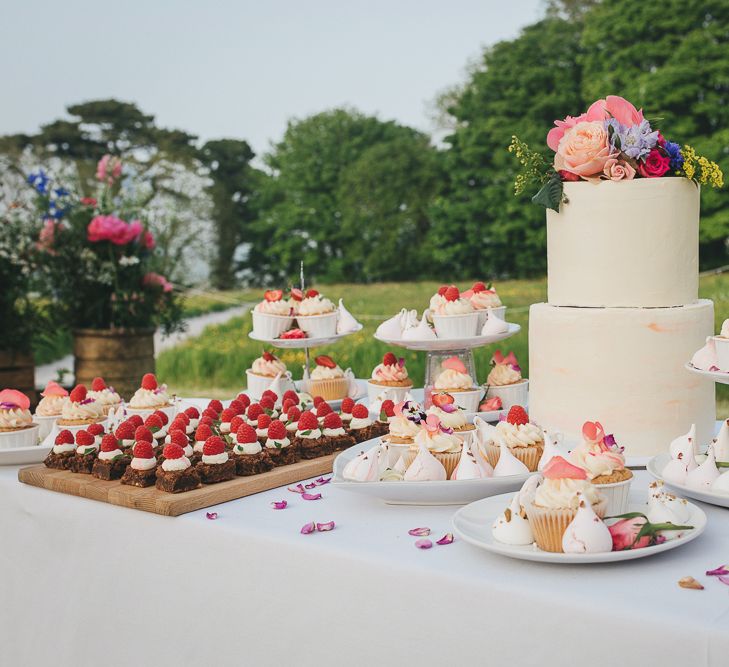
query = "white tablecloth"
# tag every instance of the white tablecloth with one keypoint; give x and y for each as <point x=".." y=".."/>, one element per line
<point x="85" y="583"/>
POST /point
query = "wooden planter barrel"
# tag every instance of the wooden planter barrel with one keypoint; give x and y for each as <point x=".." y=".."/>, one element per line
<point x="120" y="356"/>
<point x="17" y="371"/>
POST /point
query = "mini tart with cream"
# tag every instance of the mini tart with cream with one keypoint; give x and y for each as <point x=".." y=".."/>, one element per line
<point x="150" y="395"/>
<point x="104" y="394"/>
<point x="328" y="379"/>
<point x="54" y="398"/>
<point x="391" y="372"/>
<point x="482" y="296"/>
<point x="268" y="365"/>
<point x="440" y="441"/>
<point x="524" y="439"/>
<point x="81" y="409"/>
<point x="453" y="377"/>
<point x="14" y="411"/>
<point x="600" y="456"/>
<point x="450" y="415"/>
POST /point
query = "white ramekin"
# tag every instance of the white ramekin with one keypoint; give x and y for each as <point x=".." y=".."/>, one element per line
<point x="45" y="423"/>
<point x="24" y="437"/>
<point x="616" y="495"/>
<point x="510" y="394"/>
<point x="456" y="326"/>
<point x="318" y="326"/>
<point x="270" y="327"/>
<point x="395" y="394"/>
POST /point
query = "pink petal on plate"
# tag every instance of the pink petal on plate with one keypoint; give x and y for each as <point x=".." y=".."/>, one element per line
<point x="311" y="496"/>
<point x="322" y="480"/>
<point x="324" y="527"/>
<point x="423" y="544"/>
<point x="719" y="571"/>
<point x="310" y="486"/>
<point x="279" y="505"/>
<point x="446" y="539"/>
<point x="724" y="579"/>
<point x="299" y="488"/>
<point x="419" y="532"/>
<point x="211" y="515"/>
<point x="308" y="528"/>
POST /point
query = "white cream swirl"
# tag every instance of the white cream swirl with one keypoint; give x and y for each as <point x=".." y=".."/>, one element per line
<point x="91" y="410"/>
<point x="143" y="464"/>
<point x="455" y="419"/>
<point x="360" y="422"/>
<point x="106" y="397"/>
<point x="326" y="373"/>
<point x="487" y="299"/>
<point x="277" y="444"/>
<point x="452" y="379"/>
<point x="519" y="435"/>
<point x="249" y="448"/>
<point x="150" y="398"/>
<point x="268" y="367"/>
<point x="402" y="427"/>
<point x="281" y="307"/>
<point x="562" y="493"/>
<point x="312" y="434"/>
<point x="457" y="307"/>
<point x="110" y="456"/>
<point x="51" y="406"/>
<point x="15" y="418"/>
<point x="63" y="448"/>
<point x="215" y="459"/>
<point x="502" y="375"/>
<point x="169" y="465"/>
<point x="439" y="442"/>
<point x="315" y="305"/>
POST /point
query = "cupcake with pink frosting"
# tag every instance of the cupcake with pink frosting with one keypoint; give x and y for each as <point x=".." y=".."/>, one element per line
<point x="49" y="408"/>
<point x="505" y="381"/>
<point x="453" y="316"/>
<point x="390" y="376"/>
<point x="485" y="301"/>
<point x="16" y="423"/>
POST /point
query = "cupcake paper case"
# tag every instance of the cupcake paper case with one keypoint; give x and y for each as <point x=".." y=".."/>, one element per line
<point x="273" y="315"/>
<point x="16" y="423"/>
<point x="505" y="381"/>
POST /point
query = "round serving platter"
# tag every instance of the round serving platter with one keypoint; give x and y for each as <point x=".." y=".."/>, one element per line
<point x="24" y="455"/>
<point x="473" y="523"/>
<point x="449" y="492"/>
<point x="717" y="376"/>
<point x="441" y="344"/>
<point x="301" y="343"/>
<point x="655" y="468"/>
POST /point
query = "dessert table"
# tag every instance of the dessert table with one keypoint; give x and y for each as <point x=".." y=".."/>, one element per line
<point x="85" y="582"/>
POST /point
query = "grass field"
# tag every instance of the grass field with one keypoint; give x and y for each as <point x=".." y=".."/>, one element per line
<point x="214" y="363"/>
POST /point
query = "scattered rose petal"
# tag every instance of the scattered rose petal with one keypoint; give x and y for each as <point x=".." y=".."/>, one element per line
<point x="310" y="486"/>
<point x="311" y="496"/>
<point x="423" y="544"/>
<point x="324" y="527"/>
<point x="308" y="528"/>
<point x="419" y="532"/>
<point x="446" y="539"/>
<point x="279" y="505"/>
<point x="299" y="488"/>
<point x="721" y="570"/>
<point x="724" y="579"/>
<point x="322" y="480"/>
<point x="211" y="515"/>
<point x="690" y="582"/>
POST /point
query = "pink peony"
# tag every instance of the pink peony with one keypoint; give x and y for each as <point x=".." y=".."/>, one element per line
<point x="156" y="280"/>
<point x="625" y="532"/>
<point x="148" y="240"/>
<point x="618" y="170"/>
<point x="583" y="150"/>
<point x="656" y="164"/>
<point x="111" y="228"/>
<point x="108" y="169"/>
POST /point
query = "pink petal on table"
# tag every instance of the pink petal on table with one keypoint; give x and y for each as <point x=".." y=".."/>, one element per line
<point x="324" y="527"/>
<point x="299" y="488"/>
<point x="311" y="496"/>
<point x="724" y="579"/>
<point x="322" y="480"/>
<point x="423" y="544"/>
<point x="446" y="539"/>
<point x="211" y="515"/>
<point x="419" y="532"/>
<point x="310" y="486"/>
<point x="308" y="528"/>
<point x="279" y="505"/>
<point x="721" y="570"/>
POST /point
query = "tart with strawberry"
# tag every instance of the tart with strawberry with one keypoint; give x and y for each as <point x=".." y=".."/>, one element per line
<point x="248" y="455"/>
<point x="263" y="371"/>
<point x="316" y="315"/>
<point x="176" y="474"/>
<point x="453" y="316"/>
<point x="391" y="375"/>
<point x="450" y="414"/>
<point x="360" y="426"/>
<point x="86" y="449"/>
<point x="150" y="396"/>
<point x="111" y="461"/>
<point x="333" y="429"/>
<point x="64" y="448"/>
<point x="279" y="447"/>
<point x="81" y="409"/>
<point x="142" y="469"/>
<point x="104" y="394"/>
<point x="309" y="437"/>
<point x="381" y="425"/>
<point x="215" y="466"/>
<point x="327" y="379"/>
<point x="523" y="438"/>
<point x="273" y="315"/>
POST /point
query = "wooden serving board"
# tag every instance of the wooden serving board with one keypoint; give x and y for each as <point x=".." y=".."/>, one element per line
<point x="172" y="504"/>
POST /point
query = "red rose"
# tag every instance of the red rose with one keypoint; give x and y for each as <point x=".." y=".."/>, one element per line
<point x="568" y="175"/>
<point x="88" y="201"/>
<point x="655" y="165"/>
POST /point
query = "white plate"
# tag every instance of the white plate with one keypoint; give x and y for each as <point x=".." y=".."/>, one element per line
<point x="448" y="492"/>
<point x="23" y="455"/>
<point x="658" y="463"/>
<point x="717" y="376"/>
<point x="301" y="343"/>
<point x="451" y="343"/>
<point x="473" y="525"/>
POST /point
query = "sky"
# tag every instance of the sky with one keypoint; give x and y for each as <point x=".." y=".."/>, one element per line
<point x="220" y="68"/>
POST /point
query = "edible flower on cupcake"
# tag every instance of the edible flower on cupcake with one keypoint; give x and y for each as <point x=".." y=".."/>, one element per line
<point x="454" y="376"/>
<point x="505" y="370"/>
<point x="54" y="397"/>
<point x="104" y="394"/>
<point x="391" y="372"/>
<point x="14" y="411"/>
<point x="406" y="423"/>
<point x="450" y="415"/>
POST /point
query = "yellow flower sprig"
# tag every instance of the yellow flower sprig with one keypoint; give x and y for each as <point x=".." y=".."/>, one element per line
<point x="701" y="169"/>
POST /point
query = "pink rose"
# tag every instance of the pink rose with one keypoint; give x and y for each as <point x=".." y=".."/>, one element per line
<point x="656" y="164"/>
<point x="625" y="533"/>
<point x="156" y="280"/>
<point x="583" y="150"/>
<point x="111" y="228"/>
<point x="148" y="240"/>
<point x="47" y="236"/>
<point x="88" y="201"/>
<point x="108" y="169"/>
<point x="618" y="170"/>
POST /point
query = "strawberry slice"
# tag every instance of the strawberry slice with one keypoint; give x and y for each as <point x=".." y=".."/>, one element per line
<point x="297" y="294"/>
<point x="273" y="295"/>
<point x="441" y="399"/>
<point x="325" y="360"/>
<point x="311" y="293"/>
<point x="268" y="356"/>
<point x="478" y="287"/>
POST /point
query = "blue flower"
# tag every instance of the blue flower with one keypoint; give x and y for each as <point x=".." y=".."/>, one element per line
<point x="674" y="153"/>
<point x="635" y="141"/>
<point x="39" y="180"/>
<point x="61" y="192"/>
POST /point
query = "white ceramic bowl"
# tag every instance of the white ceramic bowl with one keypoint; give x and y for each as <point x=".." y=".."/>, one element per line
<point x="45" y="423"/>
<point x="396" y="394"/>
<point x="722" y="352"/>
<point x="510" y="394"/>
<point x="257" y="384"/>
<point x="456" y="326"/>
<point x="468" y="400"/>
<point x="25" y="437"/>
<point x="270" y="326"/>
<point x="617" y="495"/>
<point x="318" y="326"/>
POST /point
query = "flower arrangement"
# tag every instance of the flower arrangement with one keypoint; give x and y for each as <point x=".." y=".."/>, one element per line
<point x="613" y="141"/>
<point x="98" y="258"/>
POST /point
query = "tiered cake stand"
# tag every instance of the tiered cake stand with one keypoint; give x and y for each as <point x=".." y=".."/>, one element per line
<point x="720" y="377"/>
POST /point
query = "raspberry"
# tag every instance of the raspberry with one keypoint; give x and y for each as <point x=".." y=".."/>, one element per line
<point x="323" y="409"/>
<point x="292" y="396"/>
<point x="182" y="417"/>
<point x="244" y="398"/>
<point x="360" y="411"/>
<point x="173" y="451"/>
<point x="389" y="359"/>
<point x="273" y="295"/>
<point x="270" y="394"/>
<point x="125" y="431"/>
<point x="203" y="432"/>
<point x="98" y="384"/>
<point x="277" y="430"/>
<point x="388" y="407"/>
<point x="478" y="287"/>
<point x="266" y="403"/>
<point x="293" y="414"/>
<point x="109" y="443"/>
<point x="442" y="289"/>
<point x="143" y="433"/>
<point x="78" y="394"/>
<point x="227" y="415"/>
<point x="135" y="420"/>
<point x="84" y="438"/>
<point x="207" y="419"/>
<point x="149" y="382"/>
<point x="179" y="438"/>
<point x="246" y="433"/>
<point x="311" y="293"/>
<point x="287" y="406"/>
<point x="268" y="356"/>
<point x="237" y="407"/>
<point x="317" y="400"/>
<point x="293" y="334"/>
<point x="163" y="416"/>
<point x="216" y="405"/>
<point x="452" y="293"/>
<point x="253" y="411"/>
<point x="308" y="421"/>
<point x="517" y="415"/>
<point x="213" y="445"/>
<point x="332" y="420"/>
<point x="95" y="429"/>
<point x="153" y="422"/>
<point x="264" y="421"/>
<point x="65" y="437"/>
<point x="347" y="405"/>
<point x="192" y="413"/>
<point x="143" y="450"/>
<point x="211" y="414"/>
<point x="178" y="427"/>
<point x="325" y="360"/>
<point x="236" y="423"/>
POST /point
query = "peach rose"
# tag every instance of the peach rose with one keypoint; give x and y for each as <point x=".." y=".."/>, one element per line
<point x="618" y="170"/>
<point x="583" y="150"/>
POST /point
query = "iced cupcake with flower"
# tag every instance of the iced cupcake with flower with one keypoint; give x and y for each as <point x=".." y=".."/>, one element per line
<point x="440" y="441"/>
<point x="16" y="423"/>
<point x="453" y="377"/>
<point x="104" y="394"/>
<point x="453" y="315"/>
<point x="81" y="410"/>
<point x="485" y="301"/>
<point x="505" y="381"/>
<point x="273" y="315"/>
<point x="49" y="408"/>
<point x="451" y="415"/>
<point x="391" y="376"/>
<point x="151" y="396"/>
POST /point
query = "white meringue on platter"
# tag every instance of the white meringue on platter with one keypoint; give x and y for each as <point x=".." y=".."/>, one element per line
<point x="420" y="331"/>
<point x="508" y="464"/>
<point x="468" y="466"/>
<point x="551" y="448"/>
<point x="682" y="461"/>
<point x="721" y="444"/>
<point x="586" y="533"/>
<point x="392" y="329"/>
<point x="512" y="527"/>
<point x="721" y="483"/>
<point x="529" y="489"/>
<point x="365" y="467"/>
<point x="494" y="325"/>
<point x="346" y="322"/>
<point x="705" y="359"/>
<point x="679" y="444"/>
<point x="425" y="467"/>
<point x="665" y="507"/>
<point x="702" y="477"/>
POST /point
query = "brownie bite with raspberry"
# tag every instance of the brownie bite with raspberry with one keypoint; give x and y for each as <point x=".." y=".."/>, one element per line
<point x="345" y="411"/>
<point x="334" y="431"/>
<point x="249" y="456"/>
<point x="322" y="410"/>
<point x="216" y="465"/>
<point x="142" y="469"/>
<point x="279" y="447"/>
<point x="176" y="474"/>
<point x="64" y="448"/>
<point x="125" y="435"/>
<point x="381" y="425"/>
<point x="309" y="437"/>
<point x="178" y="437"/>
<point x="202" y="433"/>
<point x="111" y="461"/>
<point x="97" y="430"/>
<point x="360" y="426"/>
<point x="86" y="449"/>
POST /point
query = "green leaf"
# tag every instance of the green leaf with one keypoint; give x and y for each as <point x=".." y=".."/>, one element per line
<point x="550" y="196"/>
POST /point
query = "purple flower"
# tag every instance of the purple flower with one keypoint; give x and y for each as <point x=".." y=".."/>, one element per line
<point x="635" y="141"/>
<point x="609" y="440"/>
<point x="675" y="155"/>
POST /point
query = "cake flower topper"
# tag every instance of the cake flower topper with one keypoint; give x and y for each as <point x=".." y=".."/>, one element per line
<point x="54" y="389"/>
<point x="10" y="399"/>
<point x="455" y="364"/>
<point x="509" y="359"/>
<point x="410" y="410"/>
<point x="594" y="432"/>
<point x="433" y="426"/>
<point x="445" y="402"/>
<point x="559" y="468"/>
<point x="612" y="141"/>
